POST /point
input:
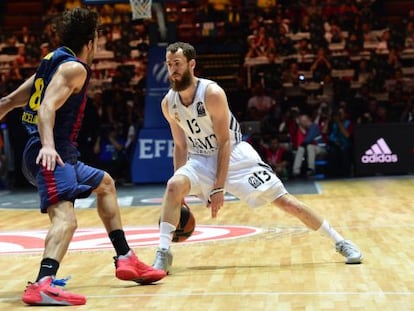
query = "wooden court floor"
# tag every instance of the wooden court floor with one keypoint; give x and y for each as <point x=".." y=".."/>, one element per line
<point x="284" y="267"/>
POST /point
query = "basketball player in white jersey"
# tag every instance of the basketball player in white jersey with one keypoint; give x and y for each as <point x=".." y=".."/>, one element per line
<point x="210" y="158"/>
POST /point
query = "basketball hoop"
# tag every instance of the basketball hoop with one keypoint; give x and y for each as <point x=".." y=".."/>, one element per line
<point x="141" y="9"/>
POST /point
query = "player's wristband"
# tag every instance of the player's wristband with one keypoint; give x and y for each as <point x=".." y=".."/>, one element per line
<point x="215" y="191"/>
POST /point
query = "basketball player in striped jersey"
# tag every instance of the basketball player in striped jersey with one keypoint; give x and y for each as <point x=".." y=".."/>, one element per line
<point x="54" y="99"/>
<point x="210" y="158"/>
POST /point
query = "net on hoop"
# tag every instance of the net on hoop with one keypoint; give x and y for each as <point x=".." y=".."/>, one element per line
<point x="141" y="9"/>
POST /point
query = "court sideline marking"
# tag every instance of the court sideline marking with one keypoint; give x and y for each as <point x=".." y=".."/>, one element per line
<point x="237" y="294"/>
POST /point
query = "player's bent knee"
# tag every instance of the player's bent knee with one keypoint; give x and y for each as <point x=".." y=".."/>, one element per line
<point x="107" y="185"/>
<point x="63" y="216"/>
<point x="177" y="186"/>
<point x="70" y="225"/>
<point x="173" y="187"/>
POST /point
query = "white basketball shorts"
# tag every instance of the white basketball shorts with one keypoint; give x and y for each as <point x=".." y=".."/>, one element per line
<point x="249" y="178"/>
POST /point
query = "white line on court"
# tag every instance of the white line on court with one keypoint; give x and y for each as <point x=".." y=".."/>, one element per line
<point x="175" y="294"/>
<point x="218" y="294"/>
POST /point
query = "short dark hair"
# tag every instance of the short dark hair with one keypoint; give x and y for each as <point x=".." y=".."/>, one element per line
<point x="188" y="50"/>
<point x="77" y="27"/>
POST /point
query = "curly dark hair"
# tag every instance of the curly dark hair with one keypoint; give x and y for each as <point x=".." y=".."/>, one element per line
<point x="188" y="50"/>
<point x="77" y="27"/>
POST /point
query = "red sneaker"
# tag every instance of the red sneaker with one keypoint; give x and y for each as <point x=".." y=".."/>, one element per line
<point x="45" y="293"/>
<point x="130" y="268"/>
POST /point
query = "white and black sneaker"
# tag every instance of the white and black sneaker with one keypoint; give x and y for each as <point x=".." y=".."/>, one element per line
<point x="163" y="259"/>
<point x="350" y="251"/>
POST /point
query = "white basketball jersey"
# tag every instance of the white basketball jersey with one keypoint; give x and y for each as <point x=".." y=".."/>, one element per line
<point x="196" y="122"/>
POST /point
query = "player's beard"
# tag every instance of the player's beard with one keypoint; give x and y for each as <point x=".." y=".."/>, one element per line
<point x="184" y="83"/>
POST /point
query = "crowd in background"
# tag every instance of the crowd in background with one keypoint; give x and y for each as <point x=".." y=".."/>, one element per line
<point x="337" y="63"/>
<point x="334" y="62"/>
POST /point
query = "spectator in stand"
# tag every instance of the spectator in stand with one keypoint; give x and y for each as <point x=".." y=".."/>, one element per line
<point x="271" y="46"/>
<point x="285" y="45"/>
<point x="367" y="35"/>
<point x="393" y="62"/>
<point x="252" y="50"/>
<point x="139" y="79"/>
<point x="321" y="65"/>
<point x="322" y="119"/>
<point x="254" y="26"/>
<point x="340" y="144"/>
<point x="21" y="59"/>
<point x="409" y="29"/>
<point x="384" y="42"/>
<point x="291" y="73"/>
<point x="288" y="127"/>
<point x="363" y="74"/>
<point x="10" y="46"/>
<point x="260" y="100"/>
<point x="116" y="32"/>
<point x="309" y="146"/>
<point x="279" y="158"/>
<point x="303" y="47"/>
<point x="23" y="36"/>
<point x="333" y="32"/>
<point x="353" y="44"/>
<point x="261" y="41"/>
<point x="109" y="42"/>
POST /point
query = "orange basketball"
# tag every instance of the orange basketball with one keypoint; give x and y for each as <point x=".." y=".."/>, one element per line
<point x="186" y="226"/>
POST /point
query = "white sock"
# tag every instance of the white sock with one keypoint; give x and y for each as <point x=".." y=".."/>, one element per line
<point x="330" y="232"/>
<point x="166" y="234"/>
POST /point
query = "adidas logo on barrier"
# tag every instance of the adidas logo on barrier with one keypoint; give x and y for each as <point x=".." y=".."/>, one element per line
<point x="379" y="152"/>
